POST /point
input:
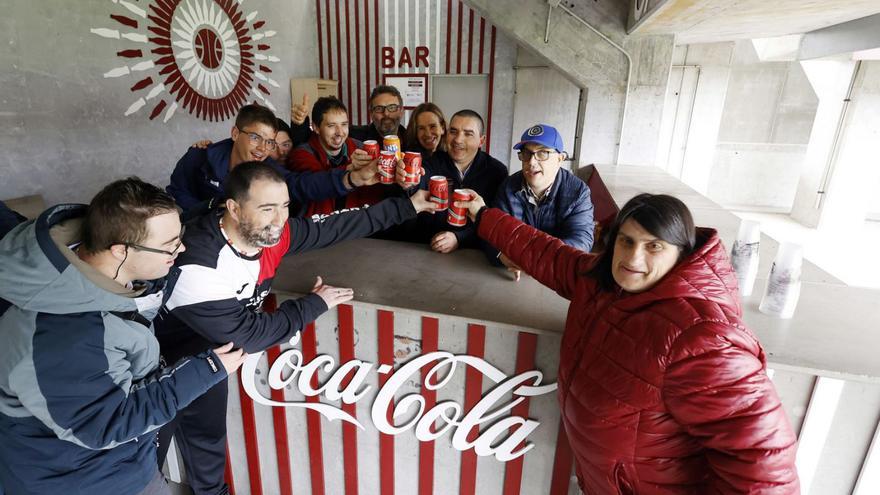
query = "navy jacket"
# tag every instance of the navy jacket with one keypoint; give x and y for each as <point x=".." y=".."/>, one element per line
<point x="199" y="175"/>
<point x="82" y="391"/>
<point x="565" y="213"/>
<point x="8" y="219"/>
<point x="484" y="176"/>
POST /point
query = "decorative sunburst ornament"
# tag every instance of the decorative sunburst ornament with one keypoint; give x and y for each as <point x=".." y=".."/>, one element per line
<point x="204" y="55"/>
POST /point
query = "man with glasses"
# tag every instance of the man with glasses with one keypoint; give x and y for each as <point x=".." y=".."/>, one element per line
<point x="545" y="195"/>
<point x="197" y="180"/>
<point x="82" y="390"/>
<point x="386" y="112"/>
<point x="218" y="287"/>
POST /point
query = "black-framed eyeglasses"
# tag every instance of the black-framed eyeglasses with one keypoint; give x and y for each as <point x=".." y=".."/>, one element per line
<point x="541" y="155"/>
<point x="385" y="108"/>
<point x="161" y="251"/>
<point x="258" y="140"/>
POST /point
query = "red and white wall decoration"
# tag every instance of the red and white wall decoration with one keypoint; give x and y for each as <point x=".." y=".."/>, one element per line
<point x="359" y="41"/>
<point x="208" y="56"/>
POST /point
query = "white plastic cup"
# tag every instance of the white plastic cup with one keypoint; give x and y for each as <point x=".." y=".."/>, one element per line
<point x="744" y="255"/>
<point x="784" y="283"/>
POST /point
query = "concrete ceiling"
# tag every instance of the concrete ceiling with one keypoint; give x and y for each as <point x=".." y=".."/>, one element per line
<point x="707" y="21"/>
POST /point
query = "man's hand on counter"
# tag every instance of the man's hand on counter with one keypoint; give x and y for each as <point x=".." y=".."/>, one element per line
<point x="473" y="206"/>
<point x="421" y="202"/>
<point x="444" y="242"/>
<point x="511" y="266"/>
<point x="332" y="296"/>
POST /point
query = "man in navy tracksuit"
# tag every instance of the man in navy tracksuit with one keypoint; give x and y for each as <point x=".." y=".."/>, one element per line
<point x="544" y="195"/>
<point x="197" y="180"/>
<point x="82" y="390"/>
<point x="466" y="166"/>
<point x="218" y="286"/>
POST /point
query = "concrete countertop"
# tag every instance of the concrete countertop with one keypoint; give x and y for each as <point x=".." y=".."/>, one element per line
<point x="407" y="275"/>
<point x="833" y="332"/>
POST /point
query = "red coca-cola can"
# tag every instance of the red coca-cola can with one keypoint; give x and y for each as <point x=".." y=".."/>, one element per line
<point x="412" y="162"/>
<point x="387" y="166"/>
<point x="372" y="148"/>
<point x="457" y="217"/>
<point x="439" y="191"/>
<point x="392" y="143"/>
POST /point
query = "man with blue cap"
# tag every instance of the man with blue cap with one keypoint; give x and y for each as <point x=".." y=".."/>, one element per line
<point x="545" y="195"/>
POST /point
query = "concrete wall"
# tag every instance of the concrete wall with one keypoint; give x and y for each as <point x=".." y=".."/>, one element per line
<point x="764" y="132"/>
<point x="65" y="134"/>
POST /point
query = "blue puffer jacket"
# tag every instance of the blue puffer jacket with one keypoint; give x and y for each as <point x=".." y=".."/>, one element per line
<point x="565" y="213"/>
<point x="81" y="391"/>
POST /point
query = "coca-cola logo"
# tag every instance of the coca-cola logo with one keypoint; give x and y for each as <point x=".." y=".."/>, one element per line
<point x="496" y="440"/>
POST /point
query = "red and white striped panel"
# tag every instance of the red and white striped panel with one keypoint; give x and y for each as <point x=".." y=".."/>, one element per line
<point x="286" y="450"/>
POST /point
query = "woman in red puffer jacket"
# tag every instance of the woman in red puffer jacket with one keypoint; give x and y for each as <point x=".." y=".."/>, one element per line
<point x="662" y="388"/>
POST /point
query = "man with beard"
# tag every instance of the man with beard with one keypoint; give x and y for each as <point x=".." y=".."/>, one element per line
<point x="218" y="286"/>
<point x="386" y="112"/>
<point x="330" y="147"/>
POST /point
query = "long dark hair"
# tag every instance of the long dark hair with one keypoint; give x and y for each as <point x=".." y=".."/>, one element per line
<point x="411" y="139"/>
<point x="664" y="216"/>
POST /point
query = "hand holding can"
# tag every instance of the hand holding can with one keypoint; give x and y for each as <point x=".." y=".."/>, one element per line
<point x="457" y="216"/>
<point x="387" y="164"/>
<point x="372" y="148"/>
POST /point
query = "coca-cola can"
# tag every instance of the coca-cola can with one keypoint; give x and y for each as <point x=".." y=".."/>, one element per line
<point x="439" y="191"/>
<point x="457" y="217"/>
<point x="387" y="166"/>
<point x="372" y="148"/>
<point x="412" y="162"/>
<point x="392" y="143"/>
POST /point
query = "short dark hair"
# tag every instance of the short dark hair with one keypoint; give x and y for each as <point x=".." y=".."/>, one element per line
<point x="326" y="104"/>
<point x="239" y="180"/>
<point x="283" y="127"/>
<point x="384" y="89"/>
<point x="255" y="114"/>
<point x="471" y="115"/>
<point x="118" y="214"/>
<point x="412" y="139"/>
<point x="664" y="216"/>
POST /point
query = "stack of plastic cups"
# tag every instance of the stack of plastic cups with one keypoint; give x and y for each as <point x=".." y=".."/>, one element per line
<point x="784" y="283"/>
<point x="744" y="255"/>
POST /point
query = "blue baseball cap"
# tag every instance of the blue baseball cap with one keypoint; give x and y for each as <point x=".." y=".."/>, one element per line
<point x="542" y="134"/>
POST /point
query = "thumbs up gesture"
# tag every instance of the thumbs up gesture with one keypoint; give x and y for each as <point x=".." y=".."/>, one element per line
<point x="299" y="111"/>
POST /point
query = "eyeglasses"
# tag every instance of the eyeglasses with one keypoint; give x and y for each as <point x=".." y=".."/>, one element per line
<point x="541" y="155"/>
<point x="385" y="108"/>
<point x="258" y="140"/>
<point x="161" y="251"/>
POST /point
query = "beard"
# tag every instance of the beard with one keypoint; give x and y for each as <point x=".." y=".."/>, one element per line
<point x="260" y="237"/>
<point x="388" y="126"/>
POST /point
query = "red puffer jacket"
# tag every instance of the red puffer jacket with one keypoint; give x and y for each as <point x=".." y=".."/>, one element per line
<point x="664" y="391"/>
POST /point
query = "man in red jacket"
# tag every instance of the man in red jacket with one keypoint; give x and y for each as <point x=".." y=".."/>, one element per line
<point x="329" y="147"/>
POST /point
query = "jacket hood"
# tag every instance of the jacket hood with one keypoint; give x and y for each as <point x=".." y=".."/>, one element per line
<point x="705" y="274"/>
<point x="39" y="272"/>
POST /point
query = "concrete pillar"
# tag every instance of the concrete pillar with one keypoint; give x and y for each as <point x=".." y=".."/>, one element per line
<point x="856" y="173"/>
<point x="830" y="80"/>
<point x="595" y="65"/>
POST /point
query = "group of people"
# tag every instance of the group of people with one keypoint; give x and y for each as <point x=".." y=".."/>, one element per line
<point x="120" y="321"/>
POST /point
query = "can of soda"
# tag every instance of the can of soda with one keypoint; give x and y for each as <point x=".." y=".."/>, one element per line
<point x="392" y="143"/>
<point x="387" y="165"/>
<point x="372" y="147"/>
<point x="457" y="217"/>
<point x="439" y="190"/>
<point x="412" y="161"/>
